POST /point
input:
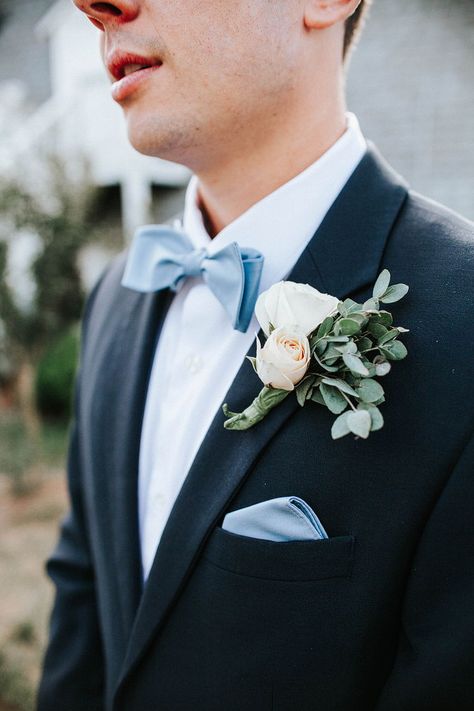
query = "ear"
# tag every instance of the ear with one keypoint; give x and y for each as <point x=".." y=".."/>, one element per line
<point x="321" y="14"/>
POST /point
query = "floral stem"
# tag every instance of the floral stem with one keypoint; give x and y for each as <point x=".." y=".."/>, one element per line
<point x="348" y="400"/>
<point x="367" y="350"/>
<point x="266" y="400"/>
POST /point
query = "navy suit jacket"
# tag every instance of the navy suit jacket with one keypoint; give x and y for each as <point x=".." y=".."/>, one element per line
<point x="378" y="616"/>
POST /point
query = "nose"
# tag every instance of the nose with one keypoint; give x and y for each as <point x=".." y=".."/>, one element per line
<point x="102" y="14"/>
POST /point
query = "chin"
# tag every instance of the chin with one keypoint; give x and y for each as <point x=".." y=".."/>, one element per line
<point x="158" y="136"/>
<point x="143" y="133"/>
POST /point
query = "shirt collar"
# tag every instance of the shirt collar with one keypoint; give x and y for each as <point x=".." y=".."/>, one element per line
<point x="282" y="223"/>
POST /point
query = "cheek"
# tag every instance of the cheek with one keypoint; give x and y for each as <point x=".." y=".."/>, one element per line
<point x="235" y="45"/>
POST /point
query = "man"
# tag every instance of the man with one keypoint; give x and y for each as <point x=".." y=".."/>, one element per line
<point x="160" y="606"/>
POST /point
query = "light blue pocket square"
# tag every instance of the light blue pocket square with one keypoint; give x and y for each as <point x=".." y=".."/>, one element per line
<point x="287" y="518"/>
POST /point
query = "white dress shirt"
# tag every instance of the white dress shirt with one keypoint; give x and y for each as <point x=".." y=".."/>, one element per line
<point x="198" y="352"/>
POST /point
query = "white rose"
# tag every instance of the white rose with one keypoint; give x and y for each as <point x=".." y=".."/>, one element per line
<point x="284" y="359"/>
<point x="289" y="304"/>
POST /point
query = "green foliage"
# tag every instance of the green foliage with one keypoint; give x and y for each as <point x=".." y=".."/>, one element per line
<point x="55" y="376"/>
<point x="341" y="372"/>
<point x="349" y="369"/>
<point x="63" y="226"/>
<point x="10" y="315"/>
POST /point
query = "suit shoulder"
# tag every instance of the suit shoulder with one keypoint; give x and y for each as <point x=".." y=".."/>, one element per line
<point x="109" y="281"/>
<point x="112" y="275"/>
<point x="431" y="249"/>
<point x="435" y="246"/>
<point x="106" y="297"/>
<point x="434" y="222"/>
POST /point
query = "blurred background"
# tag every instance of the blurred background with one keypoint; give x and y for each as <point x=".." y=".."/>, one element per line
<point x="72" y="191"/>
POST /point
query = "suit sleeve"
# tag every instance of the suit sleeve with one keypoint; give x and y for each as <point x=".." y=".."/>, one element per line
<point x="434" y="666"/>
<point x="73" y="670"/>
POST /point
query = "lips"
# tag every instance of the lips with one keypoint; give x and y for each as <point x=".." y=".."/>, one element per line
<point x="129" y="71"/>
<point x="121" y="64"/>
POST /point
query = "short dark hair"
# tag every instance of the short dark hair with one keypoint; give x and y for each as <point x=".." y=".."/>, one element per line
<point x="354" y="25"/>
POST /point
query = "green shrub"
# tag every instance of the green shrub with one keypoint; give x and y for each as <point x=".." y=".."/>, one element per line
<point x="55" y="376"/>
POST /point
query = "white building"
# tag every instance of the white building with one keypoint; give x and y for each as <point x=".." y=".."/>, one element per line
<point x="79" y="119"/>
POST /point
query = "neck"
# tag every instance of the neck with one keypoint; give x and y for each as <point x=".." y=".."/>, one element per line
<point x="257" y="167"/>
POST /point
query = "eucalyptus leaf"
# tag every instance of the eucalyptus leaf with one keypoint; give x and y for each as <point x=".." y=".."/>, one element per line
<point x="376" y="419"/>
<point x="354" y="363"/>
<point x="394" y="293"/>
<point x="340" y="428"/>
<point x="303" y="387"/>
<point x="325" y="327"/>
<point x="340" y="385"/>
<point x="381" y="284"/>
<point x="317" y="397"/>
<point x="370" y="367"/>
<point x="383" y="368"/>
<point x="342" y="308"/>
<point x="350" y="347"/>
<point x="389" y="336"/>
<point x="325" y="366"/>
<point x="385" y="318"/>
<point x="333" y="399"/>
<point x="364" y="344"/>
<point x="370" y="390"/>
<point x="376" y="329"/>
<point x="395" y="350"/>
<point x="351" y="305"/>
<point x="351" y="379"/>
<point x="361" y="318"/>
<point x="300" y="397"/>
<point x="359" y="422"/>
<point x="348" y="326"/>
<point x="320" y="347"/>
<point x="331" y="355"/>
<point x="371" y="305"/>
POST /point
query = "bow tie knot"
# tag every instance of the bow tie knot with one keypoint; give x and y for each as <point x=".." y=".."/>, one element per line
<point x="192" y="262"/>
<point x="162" y="257"/>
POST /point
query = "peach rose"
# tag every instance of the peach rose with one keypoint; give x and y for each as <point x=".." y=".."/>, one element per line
<point x="284" y="359"/>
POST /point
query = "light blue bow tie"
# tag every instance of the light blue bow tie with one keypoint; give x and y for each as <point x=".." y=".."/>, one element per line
<point x="162" y="257"/>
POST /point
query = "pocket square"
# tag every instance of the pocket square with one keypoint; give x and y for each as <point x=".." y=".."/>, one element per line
<point x="287" y="518"/>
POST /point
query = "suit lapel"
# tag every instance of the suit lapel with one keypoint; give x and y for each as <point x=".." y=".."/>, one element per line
<point x="342" y="258"/>
<point x="129" y="375"/>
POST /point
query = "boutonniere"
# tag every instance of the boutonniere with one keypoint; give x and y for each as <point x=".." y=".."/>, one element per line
<point x="326" y="351"/>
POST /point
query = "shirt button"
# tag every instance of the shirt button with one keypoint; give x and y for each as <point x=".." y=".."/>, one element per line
<point x="193" y="363"/>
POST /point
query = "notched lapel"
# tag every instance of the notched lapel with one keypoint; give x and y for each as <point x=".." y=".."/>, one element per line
<point x="127" y="370"/>
<point x="342" y="258"/>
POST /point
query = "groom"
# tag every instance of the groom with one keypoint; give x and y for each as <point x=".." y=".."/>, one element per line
<point x="159" y="604"/>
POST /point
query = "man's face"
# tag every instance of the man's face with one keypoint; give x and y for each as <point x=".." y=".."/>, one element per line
<point x="227" y="70"/>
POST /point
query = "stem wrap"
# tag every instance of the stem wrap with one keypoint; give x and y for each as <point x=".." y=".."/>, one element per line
<point x="266" y="400"/>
